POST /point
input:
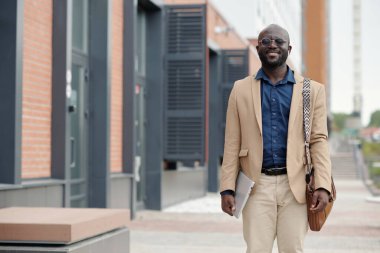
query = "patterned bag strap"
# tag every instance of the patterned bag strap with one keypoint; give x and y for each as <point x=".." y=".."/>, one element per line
<point x="306" y="127"/>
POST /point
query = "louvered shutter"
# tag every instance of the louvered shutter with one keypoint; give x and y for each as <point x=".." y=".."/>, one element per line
<point x="184" y="122"/>
<point x="234" y="67"/>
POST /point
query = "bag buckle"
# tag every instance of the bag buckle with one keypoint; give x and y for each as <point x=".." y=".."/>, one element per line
<point x="309" y="174"/>
<point x="307" y="178"/>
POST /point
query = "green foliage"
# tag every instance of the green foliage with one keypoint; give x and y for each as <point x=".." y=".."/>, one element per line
<point x="339" y="121"/>
<point x="375" y="171"/>
<point x="375" y="119"/>
<point x="371" y="152"/>
<point x="371" y="149"/>
<point x="375" y="175"/>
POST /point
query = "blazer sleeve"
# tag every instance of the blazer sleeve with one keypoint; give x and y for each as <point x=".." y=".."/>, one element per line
<point x="319" y="148"/>
<point x="230" y="166"/>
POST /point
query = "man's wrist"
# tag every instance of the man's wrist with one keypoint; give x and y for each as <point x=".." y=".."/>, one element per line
<point x="323" y="189"/>
<point x="227" y="192"/>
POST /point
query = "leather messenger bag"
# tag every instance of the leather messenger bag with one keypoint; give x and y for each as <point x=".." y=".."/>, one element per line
<point x="316" y="220"/>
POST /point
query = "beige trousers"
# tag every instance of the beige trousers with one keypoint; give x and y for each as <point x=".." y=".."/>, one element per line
<point x="272" y="211"/>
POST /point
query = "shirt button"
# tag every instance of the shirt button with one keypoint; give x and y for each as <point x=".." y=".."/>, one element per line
<point x="274" y="127"/>
<point x="275" y="155"/>
<point x="274" y="100"/>
<point x="273" y="113"/>
<point x="274" y="141"/>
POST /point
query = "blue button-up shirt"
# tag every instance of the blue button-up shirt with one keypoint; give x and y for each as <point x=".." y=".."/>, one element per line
<point x="275" y="109"/>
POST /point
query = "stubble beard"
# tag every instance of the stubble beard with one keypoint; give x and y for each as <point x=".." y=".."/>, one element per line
<point x="273" y="64"/>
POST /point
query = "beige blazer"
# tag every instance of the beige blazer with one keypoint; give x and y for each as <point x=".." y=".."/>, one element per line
<point x="243" y="146"/>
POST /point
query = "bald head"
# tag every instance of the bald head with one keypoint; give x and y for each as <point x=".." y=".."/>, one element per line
<point x="273" y="47"/>
<point x="274" y="29"/>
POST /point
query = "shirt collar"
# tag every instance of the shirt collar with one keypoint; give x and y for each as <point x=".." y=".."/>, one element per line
<point x="289" y="77"/>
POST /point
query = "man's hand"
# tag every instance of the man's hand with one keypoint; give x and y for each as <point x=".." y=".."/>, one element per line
<point x="320" y="200"/>
<point x="228" y="204"/>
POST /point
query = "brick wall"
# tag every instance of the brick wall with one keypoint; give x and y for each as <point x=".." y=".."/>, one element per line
<point x="36" y="101"/>
<point x="117" y="87"/>
<point x="224" y="39"/>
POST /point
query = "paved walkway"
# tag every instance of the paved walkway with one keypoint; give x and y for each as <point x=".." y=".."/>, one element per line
<point x="198" y="226"/>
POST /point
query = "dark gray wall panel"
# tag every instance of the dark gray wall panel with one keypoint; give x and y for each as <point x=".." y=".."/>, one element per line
<point x="214" y="121"/>
<point x="185" y="83"/>
<point x="226" y="66"/>
<point x="11" y="42"/>
<point x="234" y="66"/>
<point x="60" y="150"/>
<point x="154" y="110"/>
<point x="100" y="67"/>
<point x="129" y="139"/>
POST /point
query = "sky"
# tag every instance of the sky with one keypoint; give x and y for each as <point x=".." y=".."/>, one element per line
<point x="341" y="46"/>
<point x="341" y="56"/>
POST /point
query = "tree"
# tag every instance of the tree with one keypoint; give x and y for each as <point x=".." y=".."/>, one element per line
<point x="375" y="119"/>
<point x="339" y="121"/>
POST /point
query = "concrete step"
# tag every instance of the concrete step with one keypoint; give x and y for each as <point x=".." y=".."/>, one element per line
<point x="344" y="166"/>
<point x="345" y="176"/>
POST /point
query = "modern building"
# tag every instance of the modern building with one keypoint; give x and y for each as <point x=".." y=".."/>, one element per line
<point x="316" y="47"/>
<point x="67" y="69"/>
<point x="354" y="122"/>
<point x="114" y="103"/>
<point x="315" y="30"/>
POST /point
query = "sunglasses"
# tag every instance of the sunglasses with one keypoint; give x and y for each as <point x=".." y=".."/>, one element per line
<point x="266" y="41"/>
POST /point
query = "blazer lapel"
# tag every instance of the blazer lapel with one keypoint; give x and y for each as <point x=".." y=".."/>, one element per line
<point x="256" y="97"/>
<point x="296" y="99"/>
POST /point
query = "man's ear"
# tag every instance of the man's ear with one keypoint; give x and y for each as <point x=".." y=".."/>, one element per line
<point x="257" y="48"/>
<point x="289" y="48"/>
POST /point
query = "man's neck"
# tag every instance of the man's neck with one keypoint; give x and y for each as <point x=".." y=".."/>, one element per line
<point x="275" y="74"/>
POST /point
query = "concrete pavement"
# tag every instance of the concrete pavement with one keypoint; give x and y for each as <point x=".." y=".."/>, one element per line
<point x="199" y="226"/>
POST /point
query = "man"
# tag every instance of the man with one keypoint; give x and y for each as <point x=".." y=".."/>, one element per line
<point x="264" y="138"/>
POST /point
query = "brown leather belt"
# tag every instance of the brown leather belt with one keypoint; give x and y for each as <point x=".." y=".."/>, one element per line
<point x="274" y="171"/>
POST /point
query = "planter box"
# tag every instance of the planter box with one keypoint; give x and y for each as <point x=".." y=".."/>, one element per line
<point x="58" y="225"/>
<point x="115" y="241"/>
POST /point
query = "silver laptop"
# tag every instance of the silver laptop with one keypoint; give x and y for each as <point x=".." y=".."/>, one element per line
<point x="244" y="186"/>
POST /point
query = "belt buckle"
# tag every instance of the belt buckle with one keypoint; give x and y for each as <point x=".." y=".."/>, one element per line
<point x="269" y="171"/>
<point x="274" y="171"/>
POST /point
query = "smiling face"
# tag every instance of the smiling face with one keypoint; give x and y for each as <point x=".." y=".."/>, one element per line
<point x="273" y="47"/>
